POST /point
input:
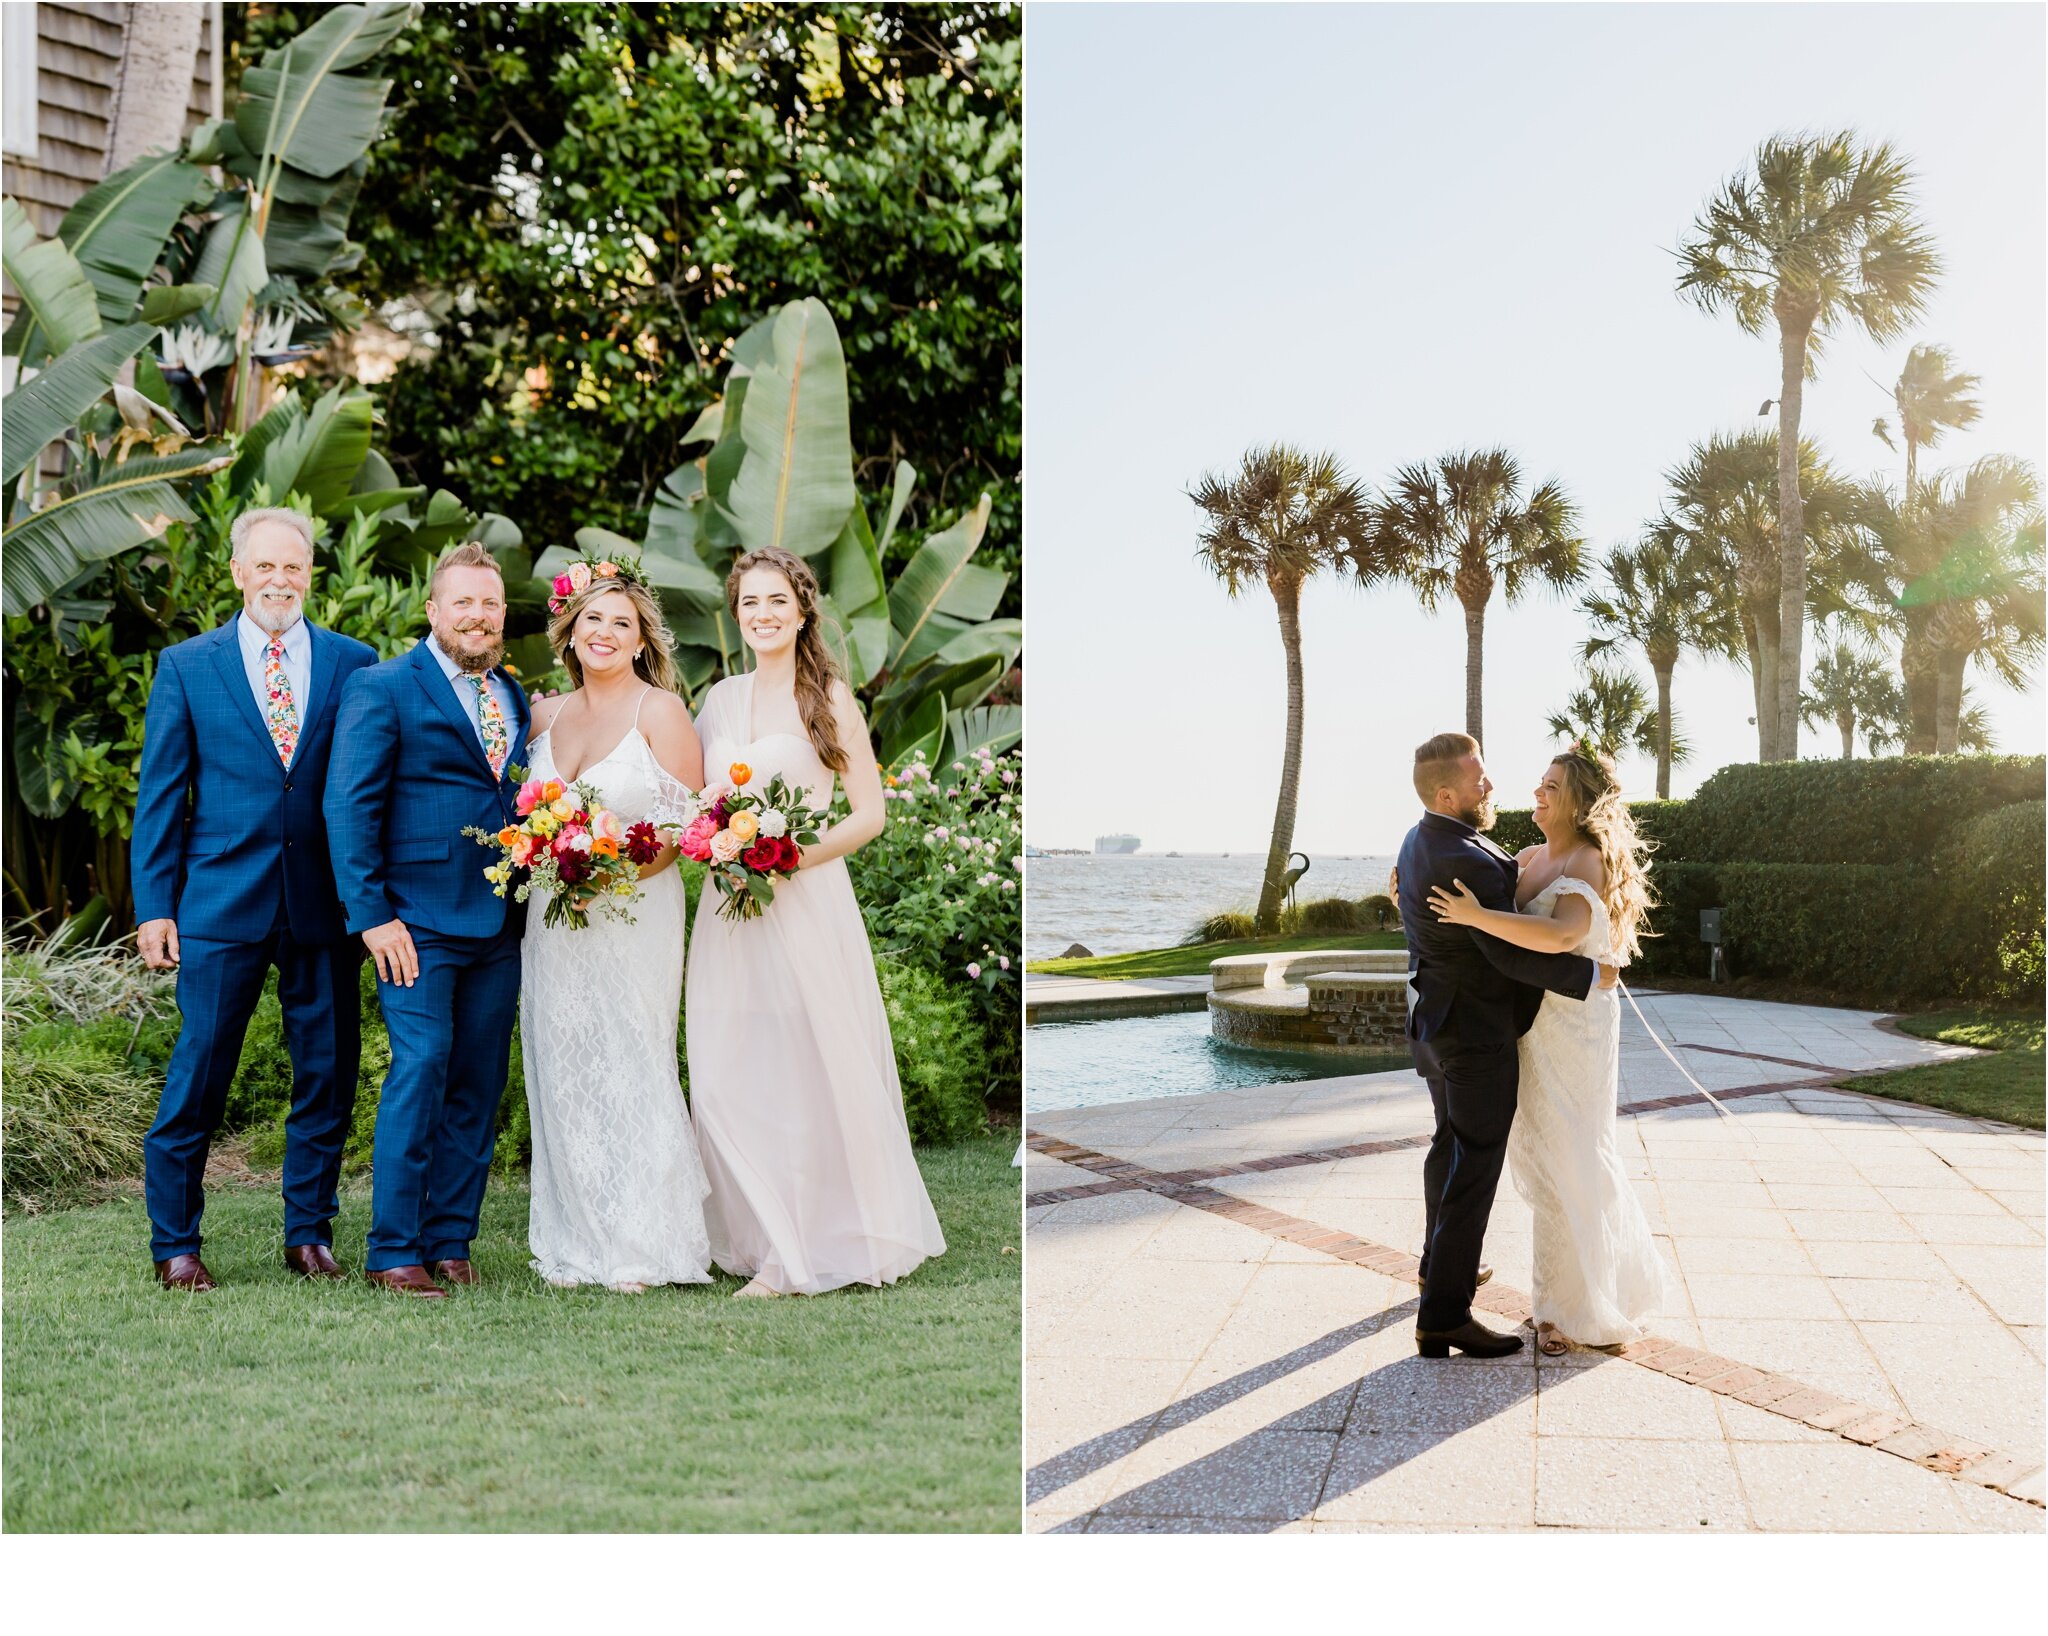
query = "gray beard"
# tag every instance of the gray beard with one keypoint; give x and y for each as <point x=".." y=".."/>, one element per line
<point x="276" y="621"/>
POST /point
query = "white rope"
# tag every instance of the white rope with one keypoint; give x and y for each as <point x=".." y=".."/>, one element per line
<point x="1659" y="1043"/>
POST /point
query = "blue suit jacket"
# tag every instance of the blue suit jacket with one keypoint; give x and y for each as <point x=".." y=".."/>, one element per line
<point x="409" y="776"/>
<point x="223" y="832"/>
<point x="1470" y="986"/>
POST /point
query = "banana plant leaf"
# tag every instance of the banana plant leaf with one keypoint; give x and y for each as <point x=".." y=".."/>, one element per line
<point x="320" y="454"/>
<point x="131" y="505"/>
<point x="164" y="304"/>
<point x="301" y="105"/>
<point x="59" y="308"/>
<point x="117" y="231"/>
<point x="231" y="260"/>
<point x="998" y="636"/>
<point x="81" y="927"/>
<point x="794" y="487"/>
<point x="40" y="775"/>
<point x="993" y="727"/>
<point x="906" y="480"/>
<point x="709" y="631"/>
<point x="672" y="524"/>
<point x="922" y="733"/>
<point x="921" y="625"/>
<point x="43" y="409"/>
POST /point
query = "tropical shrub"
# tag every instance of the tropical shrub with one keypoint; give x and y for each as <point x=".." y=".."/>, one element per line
<point x="940" y="1057"/>
<point x="1841" y="927"/>
<point x="1671" y="938"/>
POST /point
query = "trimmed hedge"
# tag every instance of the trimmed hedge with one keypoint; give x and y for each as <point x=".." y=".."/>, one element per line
<point x="1896" y="810"/>
<point x="1673" y="947"/>
<point x="1990" y="898"/>
<point x="1663" y="822"/>
<point x="1854" y="928"/>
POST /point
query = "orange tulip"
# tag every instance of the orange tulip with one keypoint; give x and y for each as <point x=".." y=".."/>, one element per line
<point x="553" y="790"/>
<point x="508" y="835"/>
<point x="604" y="847"/>
<point x="741" y="772"/>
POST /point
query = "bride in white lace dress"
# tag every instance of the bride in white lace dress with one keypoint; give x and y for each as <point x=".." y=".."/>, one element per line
<point x="618" y="1187"/>
<point x="1582" y="891"/>
<point x="792" y="1072"/>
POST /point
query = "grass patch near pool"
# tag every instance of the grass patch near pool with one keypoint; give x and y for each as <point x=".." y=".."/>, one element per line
<point x="277" y="1406"/>
<point x="2006" y="1083"/>
<point x="1193" y="960"/>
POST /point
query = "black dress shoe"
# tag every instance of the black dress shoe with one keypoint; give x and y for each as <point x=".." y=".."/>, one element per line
<point x="1471" y="1337"/>
<point x="1485" y="1272"/>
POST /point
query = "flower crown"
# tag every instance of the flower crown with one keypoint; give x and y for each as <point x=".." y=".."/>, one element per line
<point x="581" y="574"/>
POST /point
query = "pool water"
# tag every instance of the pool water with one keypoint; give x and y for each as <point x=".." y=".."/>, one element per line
<point x="1127" y="1059"/>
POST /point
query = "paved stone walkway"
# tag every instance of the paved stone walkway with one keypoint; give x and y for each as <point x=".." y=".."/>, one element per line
<point x="1220" y="1301"/>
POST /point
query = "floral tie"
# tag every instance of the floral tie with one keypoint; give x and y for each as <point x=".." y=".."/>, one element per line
<point x="282" y="711"/>
<point x="497" y="745"/>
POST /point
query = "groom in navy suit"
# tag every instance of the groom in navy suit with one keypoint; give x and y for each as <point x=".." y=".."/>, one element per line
<point x="1475" y="997"/>
<point x="424" y="747"/>
<point x="231" y="877"/>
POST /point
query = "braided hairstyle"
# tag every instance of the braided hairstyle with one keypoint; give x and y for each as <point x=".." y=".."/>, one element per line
<point x="816" y="670"/>
<point x="1603" y="821"/>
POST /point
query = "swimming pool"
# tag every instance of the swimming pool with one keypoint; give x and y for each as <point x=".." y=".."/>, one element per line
<point x="1093" y="1064"/>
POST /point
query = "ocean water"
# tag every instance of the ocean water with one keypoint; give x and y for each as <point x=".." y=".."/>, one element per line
<point x="1115" y="905"/>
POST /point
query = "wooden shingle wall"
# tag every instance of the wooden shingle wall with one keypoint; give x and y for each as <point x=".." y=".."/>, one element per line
<point x="78" y="52"/>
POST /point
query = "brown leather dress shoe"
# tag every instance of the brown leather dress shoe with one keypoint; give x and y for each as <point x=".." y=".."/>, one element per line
<point x="455" y="1270"/>
<point x="186" y="1272"/>
<point x="1485" y="1272"/>
<point x="407" y="1281"/>
<point x="312" y="1261"/>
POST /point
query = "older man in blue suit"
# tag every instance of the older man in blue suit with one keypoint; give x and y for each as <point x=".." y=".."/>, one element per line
<point x="424" y="749"/>
<point x="231" y="876"/>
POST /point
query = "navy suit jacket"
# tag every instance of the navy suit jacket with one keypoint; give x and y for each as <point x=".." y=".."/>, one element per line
<point x="409" y="776"/>
<point x="1471" y="987"/>
<point x="224" y="833"/>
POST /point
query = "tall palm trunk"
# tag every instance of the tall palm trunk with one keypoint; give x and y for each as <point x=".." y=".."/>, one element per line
<point x="152" y="81"/>
<point x="1917" y="668"/>
<point x="1760" y="634"/>
<point x="1474" y="585"/>
<point x="1663" y="675"/>
<point x="1846" y="721"/>
<point x="1287" y="597"/>
<point x="1794" y="325"/>
<point x="1949" y="665"/>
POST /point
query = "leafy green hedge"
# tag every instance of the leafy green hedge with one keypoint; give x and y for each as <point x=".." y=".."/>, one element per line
<point x="1662" y="822"/>
<point x="1989" y="893"/>
<point x="1673" y="947"/>
<point x="1895" y="810"/>
<point x="1855" y="928"/>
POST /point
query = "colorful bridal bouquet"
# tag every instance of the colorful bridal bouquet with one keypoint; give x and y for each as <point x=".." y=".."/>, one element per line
<point x="571" y="847"/>
<point x="749" y="839"/>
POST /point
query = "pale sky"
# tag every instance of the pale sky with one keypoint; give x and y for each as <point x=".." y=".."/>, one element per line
<point x="1396" y="231"/>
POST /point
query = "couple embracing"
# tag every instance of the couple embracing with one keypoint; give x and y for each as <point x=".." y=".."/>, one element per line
<point x="1516" y="1028"/>
<point x="301" y="803"/>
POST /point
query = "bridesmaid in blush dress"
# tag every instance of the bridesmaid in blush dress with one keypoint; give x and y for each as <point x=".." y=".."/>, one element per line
<point x="793" y="1083"/>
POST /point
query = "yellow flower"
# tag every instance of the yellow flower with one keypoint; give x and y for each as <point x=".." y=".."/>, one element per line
<point x="745" y="825"/>
<point x="564" y="808"/>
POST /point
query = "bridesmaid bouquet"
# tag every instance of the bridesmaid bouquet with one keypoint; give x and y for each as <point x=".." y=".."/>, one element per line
<point x="750" y="840"/>
<point x="572" y="847"/>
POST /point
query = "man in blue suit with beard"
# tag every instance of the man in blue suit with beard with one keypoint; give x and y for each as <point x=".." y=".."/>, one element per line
<point x="1475" y="997"/>
<point x="424" y="749"/>
<point x="231" y="877"/>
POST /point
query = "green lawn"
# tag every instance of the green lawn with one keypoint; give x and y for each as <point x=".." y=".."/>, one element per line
<point x="1193" y="961"/>
<point x="2005" y="1084"/>
<point x="276" y="1406"/>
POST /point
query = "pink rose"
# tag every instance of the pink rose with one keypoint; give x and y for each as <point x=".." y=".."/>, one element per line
<point x="579" y="576"/>
<point x="522" y="851"/>
<point x="563" y="585"/>
<point x="725" y="846"/>
<point x="604" y="824"/>
<point x="528" y="797"/>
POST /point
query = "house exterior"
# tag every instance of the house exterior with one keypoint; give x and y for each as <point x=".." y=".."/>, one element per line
<point x="59" y="69"/>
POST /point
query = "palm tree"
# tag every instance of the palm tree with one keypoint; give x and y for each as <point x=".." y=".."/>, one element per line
<point x="1823" y="235"/>
<point x="1663" y="600"/>
<point x="1612" y="714"/>
<point x="1932" y="398"/>
<point x="1850" y="685"/>
<point x="1284" y="517"/>
<point x="1460" y="527"/>
<point x="1723" y="510"/>
<point x="1973" y="729"/>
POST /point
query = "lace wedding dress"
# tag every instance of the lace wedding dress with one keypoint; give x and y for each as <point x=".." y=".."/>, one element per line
<point x="618" y="1188"/>
<point x="792" y="1073"/>
<point x="1597" y="1268"/>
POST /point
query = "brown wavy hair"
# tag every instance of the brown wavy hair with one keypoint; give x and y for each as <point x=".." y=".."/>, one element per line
<point x="816" y="670"/>
<point x="656" y="660"/>
<point x="1603" y="821"/>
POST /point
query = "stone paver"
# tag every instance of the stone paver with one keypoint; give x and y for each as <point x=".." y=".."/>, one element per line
<point x="1857" y="1315"/>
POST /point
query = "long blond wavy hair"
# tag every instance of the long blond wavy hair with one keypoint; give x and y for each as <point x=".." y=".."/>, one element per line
<point x="1602" y="819"/>
<point x="816" y="670"/>
<point x="656" y="660"/>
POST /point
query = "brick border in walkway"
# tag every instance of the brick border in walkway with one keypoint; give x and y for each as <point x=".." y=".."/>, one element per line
<point x="1777" y="1394"/>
